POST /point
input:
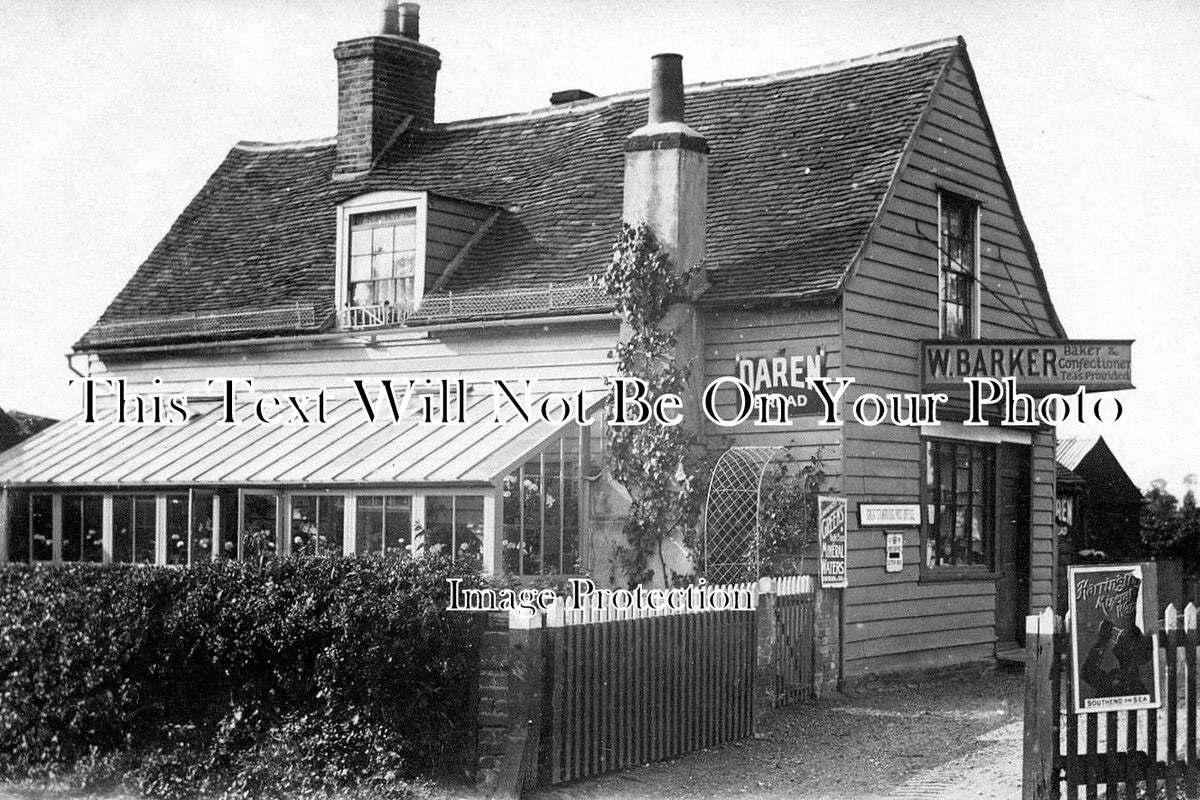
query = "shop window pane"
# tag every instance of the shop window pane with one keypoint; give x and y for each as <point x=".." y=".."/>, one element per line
<point x="397" y="524"/>
<point x="177" y="529"/>
<point x="200" y="542"/>
<point x="18" y="528"/>
<point x="959" y="504"/>
<point x="331" y="526"/>
<point x="41" y="527"/>
<point x="258" y="525"/>
<point x="369" y="525"/>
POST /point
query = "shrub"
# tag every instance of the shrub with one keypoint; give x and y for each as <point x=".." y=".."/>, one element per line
<point x="307" y="675"/>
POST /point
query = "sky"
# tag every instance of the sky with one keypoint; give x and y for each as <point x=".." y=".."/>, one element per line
<point x="114" y="112"/>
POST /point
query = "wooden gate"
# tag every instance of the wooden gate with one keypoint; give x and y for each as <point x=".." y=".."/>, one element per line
<point x="1127" y="754"/>
<point x="795" y="652"/>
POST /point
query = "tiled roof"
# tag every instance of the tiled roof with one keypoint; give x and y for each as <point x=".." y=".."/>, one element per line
<point x="800" y="165"/>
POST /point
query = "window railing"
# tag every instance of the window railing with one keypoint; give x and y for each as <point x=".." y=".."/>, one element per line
<point x="374" y="316"/>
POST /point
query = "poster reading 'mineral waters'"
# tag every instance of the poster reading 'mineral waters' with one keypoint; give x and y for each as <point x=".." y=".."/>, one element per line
<point x="1114" y="654"/>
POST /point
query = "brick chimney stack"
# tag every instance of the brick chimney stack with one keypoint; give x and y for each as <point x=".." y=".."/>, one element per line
<point x="385" y="81"/>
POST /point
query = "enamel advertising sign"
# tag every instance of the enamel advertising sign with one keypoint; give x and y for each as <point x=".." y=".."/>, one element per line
<point x="1114" y="651"/>
<point x="831" y="523"/>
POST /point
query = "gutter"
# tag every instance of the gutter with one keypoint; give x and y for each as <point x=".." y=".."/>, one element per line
<point x="364" y="337"/>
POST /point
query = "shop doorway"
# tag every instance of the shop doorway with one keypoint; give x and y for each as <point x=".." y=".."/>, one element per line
<point x="1012" y="544"/>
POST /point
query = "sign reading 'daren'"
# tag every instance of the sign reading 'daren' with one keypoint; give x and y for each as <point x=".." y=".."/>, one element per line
<point x="1038" y="365"/>
<point x="785" y="375"/>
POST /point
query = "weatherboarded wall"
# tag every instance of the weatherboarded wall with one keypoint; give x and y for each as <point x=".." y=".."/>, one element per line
<point x="896" y="621"/>
<point x="731" y="334"/>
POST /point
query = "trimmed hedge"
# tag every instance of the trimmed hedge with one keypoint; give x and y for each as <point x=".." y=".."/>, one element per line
<point x="301" y="675"/>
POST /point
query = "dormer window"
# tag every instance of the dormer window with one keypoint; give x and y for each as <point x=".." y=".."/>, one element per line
<point x="381" y="275"/>
<point x="383" y="254"/>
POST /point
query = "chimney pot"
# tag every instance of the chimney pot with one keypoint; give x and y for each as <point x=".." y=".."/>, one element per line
<point x="410" y="21"/>
<point x="391" y="19"/>
<point x="666" y="88"/>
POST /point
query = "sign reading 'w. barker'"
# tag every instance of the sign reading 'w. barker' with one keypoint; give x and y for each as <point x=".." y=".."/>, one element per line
<point x="1038" y="365"/>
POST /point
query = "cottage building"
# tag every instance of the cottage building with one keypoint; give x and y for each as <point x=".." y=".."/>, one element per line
<point x="844" y="212"/>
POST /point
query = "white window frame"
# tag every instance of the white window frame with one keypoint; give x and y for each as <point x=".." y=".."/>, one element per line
<point x="347" y="518"/>
<point x="372" y="202"/>
<point x="975" y="284"/>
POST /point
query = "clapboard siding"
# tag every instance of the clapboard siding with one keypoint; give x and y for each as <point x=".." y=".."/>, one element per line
<point x="450" y="224"/>
<point x="895" y="620"/>
<point x="800" y="330"/>
<point x="559" y="356"/>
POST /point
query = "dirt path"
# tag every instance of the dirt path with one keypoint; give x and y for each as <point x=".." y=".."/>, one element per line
<point x="955" y="736"/>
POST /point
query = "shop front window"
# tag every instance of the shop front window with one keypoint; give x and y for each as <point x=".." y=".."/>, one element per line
<point x="959" y="504"/>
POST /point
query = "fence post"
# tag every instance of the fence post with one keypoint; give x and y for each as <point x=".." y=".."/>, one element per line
<point x="520" y="765"/>
<point x="1038" y="779"/>
<point x="766" y="637"/>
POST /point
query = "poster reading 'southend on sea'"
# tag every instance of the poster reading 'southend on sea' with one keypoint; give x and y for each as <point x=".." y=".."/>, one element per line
<point x="1114" y="651"/>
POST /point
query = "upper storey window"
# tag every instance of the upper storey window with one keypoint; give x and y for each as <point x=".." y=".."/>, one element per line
<point x="959" y="267"/>
<point x="380" y="258"/>
<point x="383" y="257"/>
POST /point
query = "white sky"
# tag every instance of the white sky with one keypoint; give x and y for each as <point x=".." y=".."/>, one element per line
<point x="114" y="112"/>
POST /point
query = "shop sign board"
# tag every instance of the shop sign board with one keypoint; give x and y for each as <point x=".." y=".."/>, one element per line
<point x="831" y="523"/>
<point x="1114" y="651"/>
<point x="889" y="515"/>
<point x="1039" y="366"/>
<point x="785" y="375"/>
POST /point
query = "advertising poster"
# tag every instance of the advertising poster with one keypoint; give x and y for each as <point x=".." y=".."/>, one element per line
<point x="831" y="513"/>
<point x="1114" y="653"/>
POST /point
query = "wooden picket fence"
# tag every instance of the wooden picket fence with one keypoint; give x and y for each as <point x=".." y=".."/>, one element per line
<point x="604" y="689"/>
<point x="1148" y="753"/>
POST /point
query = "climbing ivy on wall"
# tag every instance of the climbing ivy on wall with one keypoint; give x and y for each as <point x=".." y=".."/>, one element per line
<point x="659" y="465"/>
